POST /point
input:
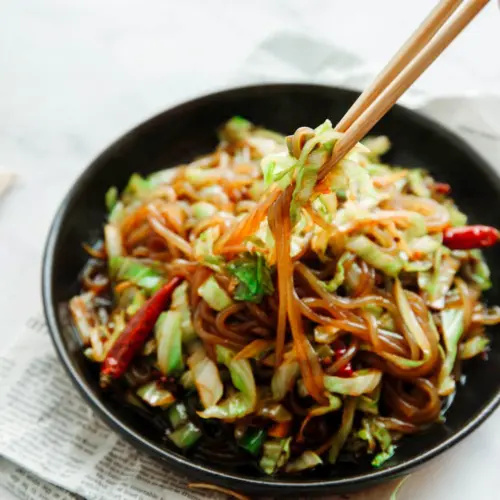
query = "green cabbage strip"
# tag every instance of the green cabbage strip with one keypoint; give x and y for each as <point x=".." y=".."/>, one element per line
<point x="417" y="226"/>
<point x="308" y="460"/>
<point x="204" y="248"/>
<point x="282" y="169"/>
<point x="154" y="395"/>
<point x="138" y="301"/>
<point x="361" y="382"/>
<point x="136" y="189"/>
<point x="326" y="334"/>
<point x="165" y="176"/>
<point x="377" y="146"/>
<point x="473" y="347"/>
<point x="113" y="241"/>
<point x="339" y="277"/>
<point x="326" y="205"/>
<point x="278" y="168"/>
<point x="168" y="333"/>
<point x="240" y="403"/>
<point x="424" y="244"/>
<point x="452" y="324"/>
<point x="274" y="411"/>
<point x="438" y="284"/>
<point x="480" y="271"/>
<point x="180" y="302"/>
<point x="383" y="456"/>
<point x="206" y="377"/>
<point x="309" y="164"/>
<point x="254" y="278"/>
<point x="235" y="129"/>
<point x="368" y="403"/>
<point x="373" y="255"/>
<point x="117" y="214"/>
<point x="345" y="429"/>
<point x="257" y="190"/>
<point x="199" y="176"/>
<point x="187" y="380"/>
<point x="232" y="408"/>
<point x="411" y="322"/>
<point x="111" y="198"/>
<point x="177" y="415"/>
<point x="334" y="404"/>
<point x="215" y="296"/>
<point x="417" y="332"/>
<point x="373" y="431"/>
<point x="417" y="184"/>
<point x="203" y="209"/>
<point x="136" y="184"/>
<point x="359" y="184"/>
<point x="253" y="440"/>
<point x="457" y="218"/>
<point x="284" y="378"/>
<point x="276" y="453"/>
<point x="140" y="274"/>
<point x="185" y="436"/>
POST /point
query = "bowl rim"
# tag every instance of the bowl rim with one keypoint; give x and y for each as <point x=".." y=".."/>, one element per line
<point x="179" y="462"/>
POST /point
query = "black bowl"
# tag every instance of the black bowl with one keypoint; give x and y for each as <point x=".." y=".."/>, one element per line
<point x="179" y="135"/>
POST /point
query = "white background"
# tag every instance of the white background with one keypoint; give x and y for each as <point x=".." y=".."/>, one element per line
<point x="75" y="74"/>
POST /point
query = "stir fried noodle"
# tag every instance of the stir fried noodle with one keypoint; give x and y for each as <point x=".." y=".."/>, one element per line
<point x="290" y="322"/>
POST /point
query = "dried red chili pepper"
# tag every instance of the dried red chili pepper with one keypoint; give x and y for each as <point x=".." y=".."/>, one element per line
<point x="469" y="237"/>
<point x="441" y="188"/>
<point x="134" y="335"/>
<point x="346" y="371"/>
<point x="339" y="351"/>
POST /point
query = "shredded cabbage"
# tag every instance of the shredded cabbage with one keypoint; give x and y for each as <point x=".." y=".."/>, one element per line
<point x="254" y="277"/>
<point x="180" y="302"/>
<point x="113" y="241"/>
<point x="203" y="209"/>
<point x="235" y="129"/>
<point x="452" y="321"/>
<point x="111" y="198"/>
<point x="345" y="429"/>
<point x="154" y="395"/>
<point x="240" y="403"/>
<point x="143" y="275"/>
<point x="284" y="378"/>
<point x="361" y="382"/>
<point x="168" y="333"/>
<point x="177" y="415"/>
<point x="214" y="295"/>
<point x="206" y="377"/>
<point x="480" y="272"/>
<point x="417" y="184"/>
<point x="308" y="460"/>
<point x="339" y="277"/>
<point x="377" y="146"/>
<point x="372" y="254"/>
<point x="276" y="453"/>
<point x="185" y="436"/>
<point x="473" y="347"/>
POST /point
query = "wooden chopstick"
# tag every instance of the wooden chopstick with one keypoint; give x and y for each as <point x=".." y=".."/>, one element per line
<point x="429" y="27"/>
<point x="379" y="107"/>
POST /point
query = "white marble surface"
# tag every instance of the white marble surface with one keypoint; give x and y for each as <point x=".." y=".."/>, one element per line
<point x="76" y="74"/>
